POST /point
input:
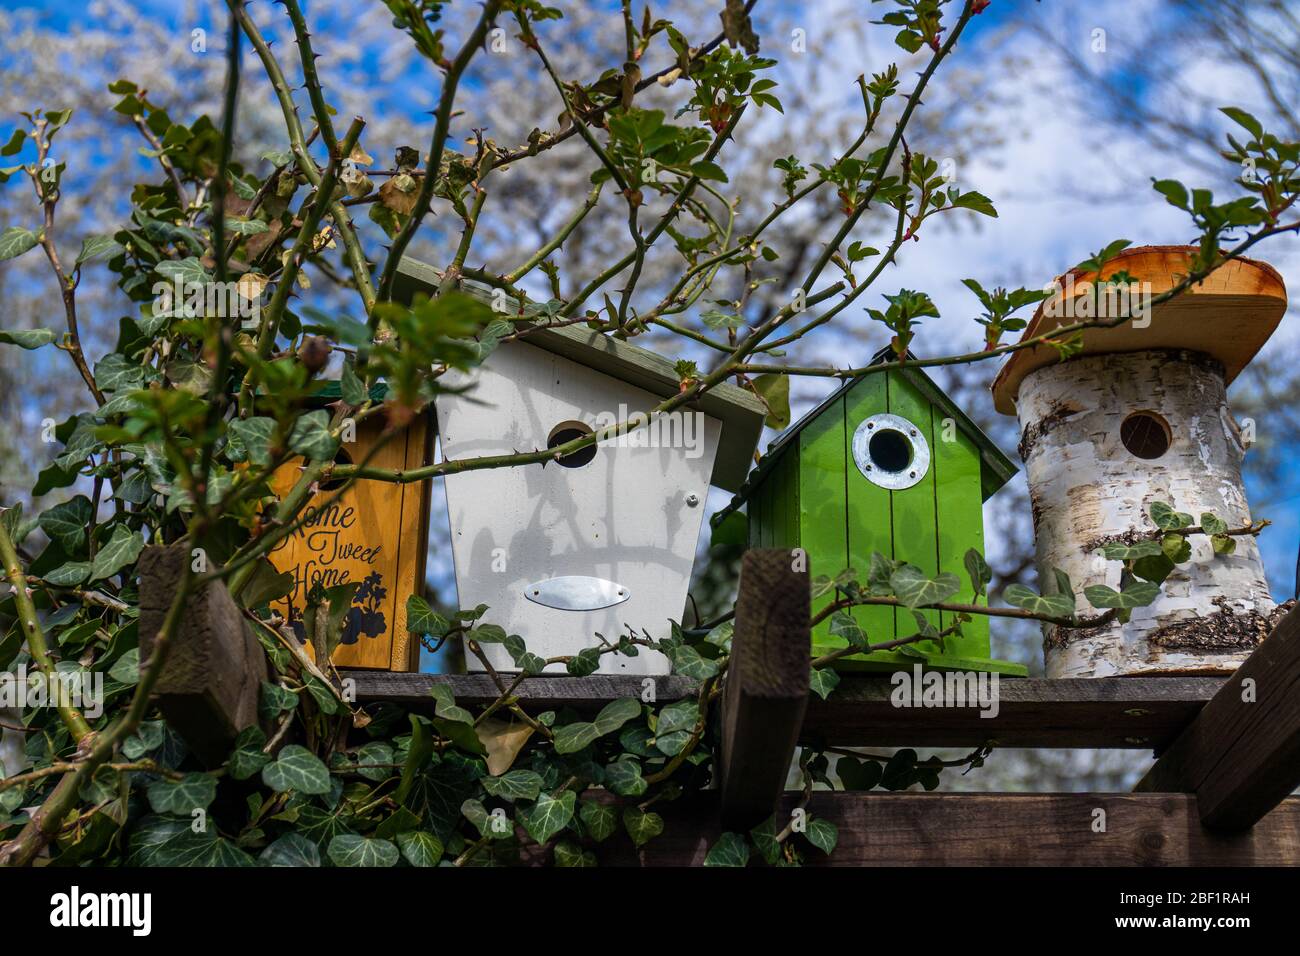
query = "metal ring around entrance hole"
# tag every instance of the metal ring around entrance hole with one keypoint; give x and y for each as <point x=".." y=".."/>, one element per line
<point x="885" y="474"/>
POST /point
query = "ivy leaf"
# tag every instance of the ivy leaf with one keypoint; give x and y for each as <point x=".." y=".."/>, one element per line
<point x="679" y="715"/>
<point x="515" y="785"/>
<point x="843" y="624"/>
<point x="1047" y="605"/>
<point x="642" y="825"/>
<point x="688" y="662"/>
<point x="145" y="740"/>
<point x="570" y="854"/>
<point x="444" y="705"/>
<point x="311" y="436"/>
<point x="420" y="848"/>
<point x="916" y="589"/>
<point x="493" y="825"/>
<point x="96" y="247"/>
<point x="126" y="669"/>
<point x="732" y="849"/>
<point x="250" y="439"/>
<point x="1167" y="519"/>
<point x="291" y="849"/>
<point x="69" y="574"/>
<point x="1212" y="524"/>
<point x="601" y="820"/>
<point x="187" y="271"/>
<point x="721" y="635"/>
<point x="823" y="680"/>
<point x="1176" y="548"/>
<point x="979" y="571"/>
<point x="66" y="523"/>
<point x="350" y="386"/>
<point x="1137" y="594"/>
<point x="116" y="373"/>
<point x="1154" y="568"/>
<point x="297" y="768"/>
<point x="571" y="738"/>
<point x="548" y="816"/>
<point x="1064" y="588"/>
<point x="248" y="758"/>
<point x="624" y="778"/>
<point x="122" y="548"/>
<point x="246" y="227"/>
<point x="194" y="791"/>
<point x="858" y="774"/>
<point x="1223" y="543"/>
<point x="822" y="834"/>
<point x="373" y="760"/>
<point x="274" y="700"/>
<point x="615" y="714"/>
<point x="584" y="663"/>
<point x="765" y="842"/>
<point x="26" y="338"/>
<point x="775" y="391"/>
<point x="1118" y="551"/>
<point x="423" y="619"/>
<point x="350" y="850"/>
<point x="16" y="240"/>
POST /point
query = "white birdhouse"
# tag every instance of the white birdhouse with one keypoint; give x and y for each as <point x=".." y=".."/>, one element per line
<point x="601" y="541"/>
<point x="1140" y="416"/>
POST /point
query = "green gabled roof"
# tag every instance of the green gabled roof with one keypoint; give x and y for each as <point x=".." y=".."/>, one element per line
<point x="740" y="412"/>
<point x="996" y="469"/>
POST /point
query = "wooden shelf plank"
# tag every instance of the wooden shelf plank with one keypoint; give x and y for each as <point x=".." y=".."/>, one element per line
<point x="994" y="829"/>
<point x="544" y="692"/>
<point x="1137" y="713"/>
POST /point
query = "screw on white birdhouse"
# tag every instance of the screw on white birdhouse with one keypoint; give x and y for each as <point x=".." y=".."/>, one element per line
<point x="1141" y="416"/>
<point x="602" y="540"/>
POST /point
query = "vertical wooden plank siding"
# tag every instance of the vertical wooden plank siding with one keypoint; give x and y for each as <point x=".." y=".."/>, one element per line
<point x="914" y="507"/>
<point x="959" y="510"/>
<point x="754" y="509"/>
<point x="414" y="543"/>
<point x="869" y="522"/>
<point x="792" y="500"/>
<point x="785" y="532"/>
<point x="823" y="516"/>
<point x="372" y="534"/>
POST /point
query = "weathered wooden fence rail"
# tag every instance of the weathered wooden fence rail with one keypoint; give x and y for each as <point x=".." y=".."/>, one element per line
<point x="1229" y="748"/>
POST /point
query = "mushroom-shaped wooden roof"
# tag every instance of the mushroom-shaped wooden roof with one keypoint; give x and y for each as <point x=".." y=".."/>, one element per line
<point x="1228" y="315"/>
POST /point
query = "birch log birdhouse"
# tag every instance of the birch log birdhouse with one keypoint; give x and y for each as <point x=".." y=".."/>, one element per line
<point x="1140" y="416"/>
<point x="600" y="541"/>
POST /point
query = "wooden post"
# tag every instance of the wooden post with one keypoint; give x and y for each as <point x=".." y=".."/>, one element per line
<point x="1241" y="754"/>
<point x="209" y="687"/>
<point x="766" y="689"/>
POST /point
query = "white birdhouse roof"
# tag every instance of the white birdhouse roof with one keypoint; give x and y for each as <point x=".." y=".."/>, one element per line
<point x="740" y="412"/>
<point x="1228" y="315"/>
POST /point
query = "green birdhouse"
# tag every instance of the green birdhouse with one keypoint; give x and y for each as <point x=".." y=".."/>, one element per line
<point x="887" y="464"/>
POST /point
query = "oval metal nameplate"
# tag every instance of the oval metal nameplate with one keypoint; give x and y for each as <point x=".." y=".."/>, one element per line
<point x="576" y="592"/>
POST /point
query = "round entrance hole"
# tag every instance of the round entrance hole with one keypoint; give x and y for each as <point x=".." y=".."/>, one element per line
<point x="566" y="432"/>
<point x="890" y="450"/>
<point x="1145" y="434"/>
